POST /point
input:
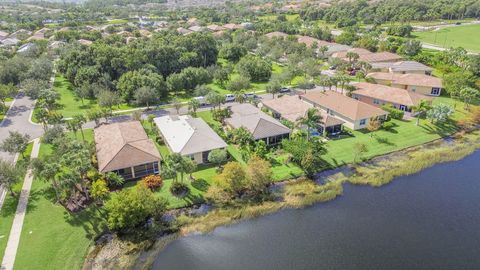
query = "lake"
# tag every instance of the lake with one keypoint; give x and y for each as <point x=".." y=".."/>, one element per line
<point x="430" y="220"/>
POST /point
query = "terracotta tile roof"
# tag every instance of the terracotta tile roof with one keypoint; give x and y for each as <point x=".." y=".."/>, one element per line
<point x="276" y="35"/>
<point x="289" y="107"/>
<point x="343" y="54"/>
<point x="389" y="94"/>
<point x="260" y="124"/>
<point x="343" y="105"/>
<point x="380" y="57"/>
<point x="309" y="41"/>
<point x="214" y="27"/>
<point x="123" y="145"/>
<point x="407" y="79"/>
<point x="232" y="26"/>
<point x="292" y="108"/>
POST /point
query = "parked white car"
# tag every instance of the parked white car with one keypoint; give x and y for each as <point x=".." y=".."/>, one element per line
<point x="202" y="100"/>
<point x="229" y="98"/>
<point x="250" y="95"/>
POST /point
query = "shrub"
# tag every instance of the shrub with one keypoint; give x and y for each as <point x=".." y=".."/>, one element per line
<point x="393" y="112"/>
<point x="388" y="125"/>
<point x="114" y="179"/>
<point x="152" y="181"/>
<point x="179" y="189"/>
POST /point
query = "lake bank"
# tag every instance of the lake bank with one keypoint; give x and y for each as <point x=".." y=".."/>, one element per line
<point x="291" y="194"/>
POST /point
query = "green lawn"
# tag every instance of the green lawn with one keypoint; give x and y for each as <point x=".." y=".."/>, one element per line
<point x="70" y="105"/>
<point x="9" y="207"/>
<point x="405" y="134"/>
<point x="51" y="236"/>
<point x="273" y="17"/>
<point x="466" y="36"/>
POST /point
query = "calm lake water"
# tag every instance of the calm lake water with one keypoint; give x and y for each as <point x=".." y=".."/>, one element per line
<point x="430" y="220"/>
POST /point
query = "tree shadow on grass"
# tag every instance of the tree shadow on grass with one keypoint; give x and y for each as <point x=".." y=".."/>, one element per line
<point x="90" y="219"/>
<point x="200" y="184"/>
<point x="383" y="140"/>
<point x="442" y="129"/>
<point x="191" y="199"/>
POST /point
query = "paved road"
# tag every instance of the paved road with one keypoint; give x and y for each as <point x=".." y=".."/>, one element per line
<point x="17" y="119"/>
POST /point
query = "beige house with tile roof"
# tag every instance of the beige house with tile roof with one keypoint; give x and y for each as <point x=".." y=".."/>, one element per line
<point x="418" y="83"/>
<point x="261" y="125"/>
<point x="354" y="113"/>
<point x="188" y="136"/>
<point x="291" y="108"/>
<point x="124" y="148"/>
<point x="379" y="95"/>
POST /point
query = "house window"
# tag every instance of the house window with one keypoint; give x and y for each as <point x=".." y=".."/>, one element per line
<point x="363" y="122"/>
<point x="403" y="108"/>
<point x="376" y="101"/>
<point x="435" y="91"/>
<point x="414" y="88"/>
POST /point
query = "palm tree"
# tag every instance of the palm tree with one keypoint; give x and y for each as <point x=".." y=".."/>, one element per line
<point x="80" y="120"/>
<point x="310" y="120"/>
<point x="323" y="49"/>
<point x="352" y="57"/>
<point x="72" y="126"/>
<point x="193" y="105"/>
<point x="420" y="109"/>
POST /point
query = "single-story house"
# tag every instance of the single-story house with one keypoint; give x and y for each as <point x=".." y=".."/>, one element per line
<point x="261" y="125"/>
<point x="343" y="54"/>
<point x="3" y="35"/>
<point x="419" y="83"/>
<point x="403" y="67"/>
<point x="276" y="35"/>
<point x="379" y="95"/>
<point x="188" y="136"/>
<point x="183" y="31"/>
<point x="368" y="56"/>
<point x="197" y="28"/>
<point x="215" y="28"/>
<point x="291" y="108"/>
<point x="124" y="148"/>
<point x="354" y="113"/>
<point x="232" y="26"/>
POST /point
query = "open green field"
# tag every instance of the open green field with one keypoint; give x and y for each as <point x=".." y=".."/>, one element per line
<point x="273" y="17"/>
<point x="466" y="36"/>
<point x="70" y="105"/>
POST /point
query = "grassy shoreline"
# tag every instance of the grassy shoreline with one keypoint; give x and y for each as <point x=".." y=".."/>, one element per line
<point x="298" y="193"/>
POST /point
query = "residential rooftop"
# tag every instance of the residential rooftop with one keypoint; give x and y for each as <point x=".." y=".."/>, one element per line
<point x="348" y="107"/>
<point x="186" y="135"/>
<point x="122" y="145"/>
<point x="260" y="124"/>
<point x="407" y="79"/>
<point x="389" y="94"/>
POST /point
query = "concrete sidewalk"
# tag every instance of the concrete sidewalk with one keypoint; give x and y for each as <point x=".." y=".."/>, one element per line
<point x="15" y="232"/>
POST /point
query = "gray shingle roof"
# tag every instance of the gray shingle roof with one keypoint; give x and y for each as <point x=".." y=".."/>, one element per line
<point x="257" y="122"/>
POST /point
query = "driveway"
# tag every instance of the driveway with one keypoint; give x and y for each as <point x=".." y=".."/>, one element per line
<point x="17" y="119"/>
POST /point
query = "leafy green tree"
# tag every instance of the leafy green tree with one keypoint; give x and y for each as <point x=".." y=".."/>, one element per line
<point x="131" y="208"/>
<point x="108" y="99"/>
<point x="193" y="105"/>
<point x="238" y="84"/>
<point x="6" y="91"/>
<point x="233" y="52"/>
<point x="221" y="75"/>
<point x="242" y="136"/>
<point x="259" y="175"/>
<point x="440" y="113"/>
<point x="32" y="87"/>
<point x="48" y="98"/>
<point x="9" y="175"/>
<point x="131" y="81"/>
<point x="468" y="95"/>
<point x="410" y="47"/>
<point x="15" y="143"/>
<point x="83" y="92"/>
<point x="232" y="179"/>
<point x="99" y="190"/>
<point x="79" y="120"/>
<point x="255" y="68"/>
<point x="146" y="95"/>
<point x="217" y="156"/>
<point x="274" y="86"/>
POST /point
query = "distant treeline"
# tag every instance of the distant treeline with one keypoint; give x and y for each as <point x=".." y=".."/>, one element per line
<point x="106" y="3"/>
<point x="347" y="13"/>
